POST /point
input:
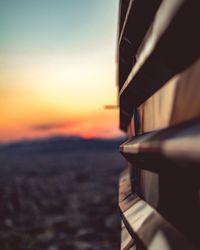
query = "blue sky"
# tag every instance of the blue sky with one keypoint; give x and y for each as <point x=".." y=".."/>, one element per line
<point x="62" y="24"/>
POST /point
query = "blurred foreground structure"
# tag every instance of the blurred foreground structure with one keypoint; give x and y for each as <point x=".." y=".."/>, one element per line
<point x="159" y="92"/>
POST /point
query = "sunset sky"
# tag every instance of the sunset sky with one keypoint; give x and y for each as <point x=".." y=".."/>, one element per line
<point x="57" y="68"/>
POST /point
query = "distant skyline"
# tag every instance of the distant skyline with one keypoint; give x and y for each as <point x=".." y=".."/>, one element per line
<point x="57" y="68"/>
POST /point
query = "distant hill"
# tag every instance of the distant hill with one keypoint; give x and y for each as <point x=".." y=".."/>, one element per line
<point x="50" y="156"/>
<point x="60" y="144"/>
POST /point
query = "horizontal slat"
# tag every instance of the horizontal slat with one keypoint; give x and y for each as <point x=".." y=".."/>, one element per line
<point x="172" y="44"/>
<point x="146" y="224"/>
<point x="126" y="240"/>
<point x="138" y="18"/>
<point x="180" y="144"/>
<point x="138" y="12"/>
<point x="159" y="26"/>
<point x="172" y="103"/>
<point x="152" y="229"/>
<point x="123" y="12"/>
<point x="125" y="191"/>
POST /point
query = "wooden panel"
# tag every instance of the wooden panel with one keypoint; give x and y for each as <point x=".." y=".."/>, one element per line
<point x="187" y="101"/>
<point x="155" y="113"/>
<point x="126" y="239"/>
<point x="180" y="144"/>
<point x="152" y="229"/>
<point x="175" y="102"/>
<point x="133" y="248"/>
<point x="149" y="187"/>
<point x="148" y="227"/>
<point x="137" y="12"/>
<point x="126" y="194"/>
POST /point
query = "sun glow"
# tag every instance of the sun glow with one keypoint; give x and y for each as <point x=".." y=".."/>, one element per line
<point x="55" y="92"/>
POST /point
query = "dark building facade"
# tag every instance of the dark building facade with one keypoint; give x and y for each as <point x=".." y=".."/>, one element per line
<point x="159" y="97"/>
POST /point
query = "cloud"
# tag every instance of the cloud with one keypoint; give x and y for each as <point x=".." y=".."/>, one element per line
<point x="50" y="126"/>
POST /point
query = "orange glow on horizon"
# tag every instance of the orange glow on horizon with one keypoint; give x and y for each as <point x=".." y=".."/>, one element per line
<point x="94" y="126"/>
